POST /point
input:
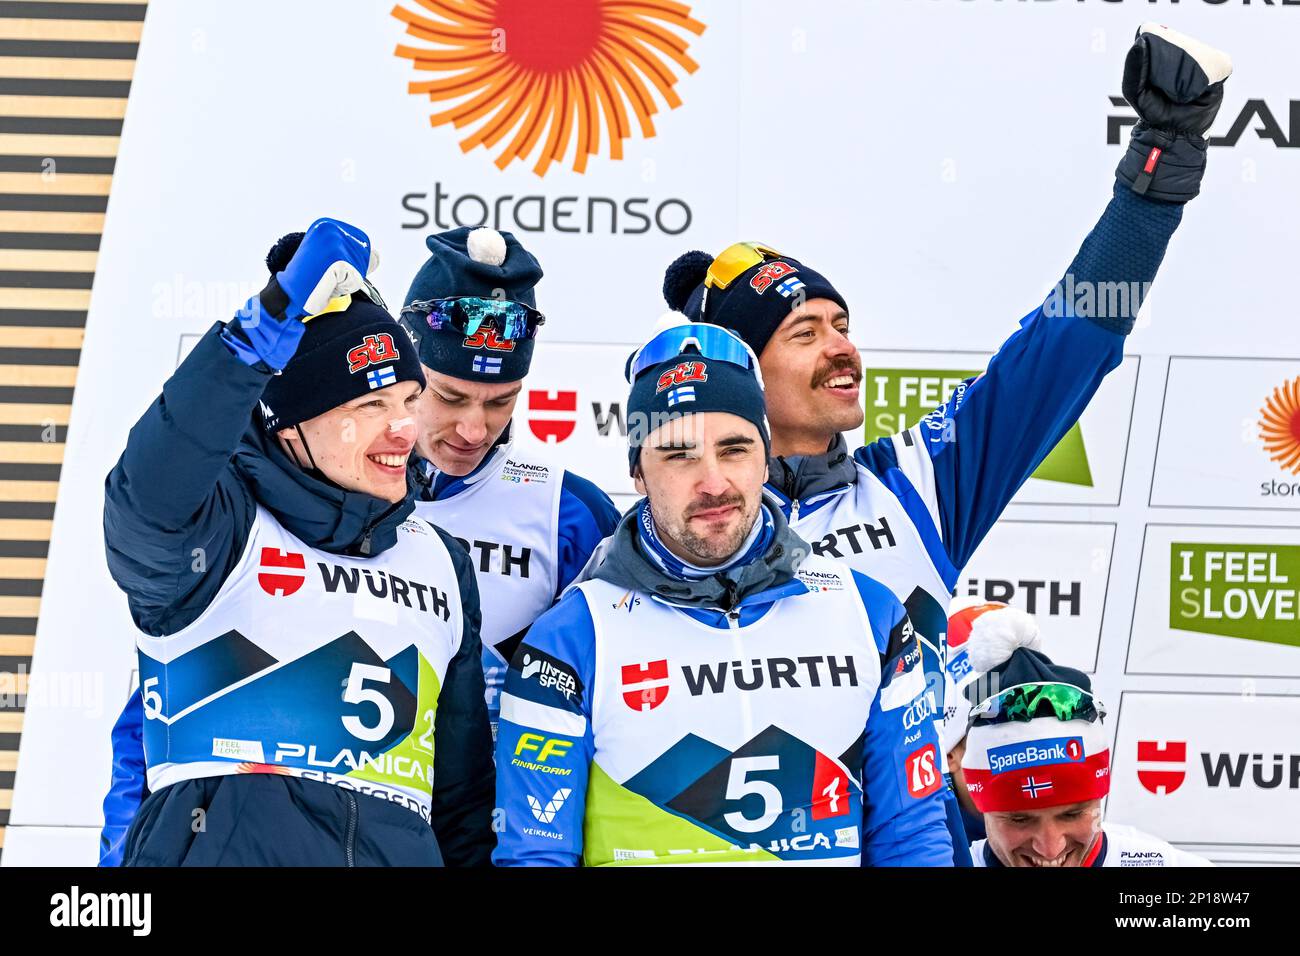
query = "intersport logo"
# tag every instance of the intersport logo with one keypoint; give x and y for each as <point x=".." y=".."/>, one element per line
<point x="539" y="80"/>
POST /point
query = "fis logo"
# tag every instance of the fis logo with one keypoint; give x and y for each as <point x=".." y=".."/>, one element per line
<point x="373" y="350"/>
<point x="282" y="572"/>
<point x="557" y="418"/>
<point x="627" y="602"/>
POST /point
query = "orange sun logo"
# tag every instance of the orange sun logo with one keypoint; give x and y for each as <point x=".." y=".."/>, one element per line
<point x="560" y="69"/>
<point x="1279" y="425"/>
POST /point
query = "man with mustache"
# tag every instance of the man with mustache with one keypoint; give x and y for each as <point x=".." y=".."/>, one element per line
<point x="910" y="510"/>
<point x="714" y="693"/>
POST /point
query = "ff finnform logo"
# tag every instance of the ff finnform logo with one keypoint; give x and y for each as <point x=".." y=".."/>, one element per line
<point x="1036" y="753"/>
<point x="1162" y="768"/>
<point x="898" y="398"/>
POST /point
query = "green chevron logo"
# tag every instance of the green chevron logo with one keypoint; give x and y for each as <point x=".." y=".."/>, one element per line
<point x="1248" y="591"/>
<point x="898" y="398"/>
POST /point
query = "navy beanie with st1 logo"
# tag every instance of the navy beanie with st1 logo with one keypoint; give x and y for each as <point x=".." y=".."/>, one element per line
<point x="755" y="303"/>
<point x="484" y="263"/>
<point x="686" y="385"/>
<point x="342" y="356"/>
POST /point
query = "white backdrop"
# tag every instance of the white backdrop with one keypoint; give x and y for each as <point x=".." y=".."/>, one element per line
<point x="940" y="159"/>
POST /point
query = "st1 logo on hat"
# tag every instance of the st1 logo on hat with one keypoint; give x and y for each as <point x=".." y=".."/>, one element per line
<point x="486" y="338"/>
<point x="683" y="373"/>
<point x="373" y="350"/>
<point x="765" y="276"/>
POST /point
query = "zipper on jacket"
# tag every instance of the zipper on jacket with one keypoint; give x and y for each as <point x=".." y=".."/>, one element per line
<point x="350" y="839"/>
<point x="794" y="510"/>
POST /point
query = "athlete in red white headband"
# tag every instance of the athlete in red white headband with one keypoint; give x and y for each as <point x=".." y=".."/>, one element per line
<point x="1037" y="757"/>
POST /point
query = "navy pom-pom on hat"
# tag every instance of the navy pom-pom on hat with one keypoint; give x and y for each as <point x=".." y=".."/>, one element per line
<point x="474" y="262"/>
<point x="755" y="303"/>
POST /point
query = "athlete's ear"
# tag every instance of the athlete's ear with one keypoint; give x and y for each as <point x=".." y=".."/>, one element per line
<point x="288" y="434"/>
<point x="638" y="480"/>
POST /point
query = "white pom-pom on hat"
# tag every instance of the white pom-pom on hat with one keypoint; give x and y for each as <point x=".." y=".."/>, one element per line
<point x="998" y="632"/>
<point x="486" y="245"/>
<point x="669" y="320"/>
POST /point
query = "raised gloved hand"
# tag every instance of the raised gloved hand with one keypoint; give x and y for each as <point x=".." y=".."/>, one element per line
<point x="331" y="261"/>
<point x="1175" y="84"/>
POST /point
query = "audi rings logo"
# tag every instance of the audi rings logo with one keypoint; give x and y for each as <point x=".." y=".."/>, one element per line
<point x="531" y="78"/>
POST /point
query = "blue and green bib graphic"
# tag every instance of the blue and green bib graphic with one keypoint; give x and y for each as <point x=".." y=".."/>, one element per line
<point x="898" y="398"/>
<point x="774" y="798"/>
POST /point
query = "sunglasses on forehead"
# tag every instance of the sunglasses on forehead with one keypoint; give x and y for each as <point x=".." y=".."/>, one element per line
<point x="735" y="260"/>
<point x="467" y="314"/>
<point x="1024" y="702"/>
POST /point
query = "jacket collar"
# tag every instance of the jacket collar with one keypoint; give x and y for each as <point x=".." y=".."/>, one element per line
<point x="801" y="476"/>
<point x="622" y="562"/>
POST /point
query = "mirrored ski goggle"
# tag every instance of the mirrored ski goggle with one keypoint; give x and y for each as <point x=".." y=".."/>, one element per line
<point x="710" y="341"/>
<point x="467" y="314"/>
<point x="1024" y="702"/>
<point x="735" y="260"/>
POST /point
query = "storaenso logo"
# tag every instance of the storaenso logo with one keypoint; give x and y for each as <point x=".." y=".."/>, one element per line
<point x="1254" y="114"/>
<point x="898" y="398"/>
<point x="1279" y="430"/>
<point x="632" y="216"/>
<point x="548" y="75"/>
<point x="775" y="672"/>
<point x="1235" y="590"/>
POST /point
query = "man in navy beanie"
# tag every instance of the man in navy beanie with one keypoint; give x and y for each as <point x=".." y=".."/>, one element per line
<point x="530" y="524"/>
<point x="298" y="625"/>
<point x="911" y="509"/>
<point x="813" y="749"/>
